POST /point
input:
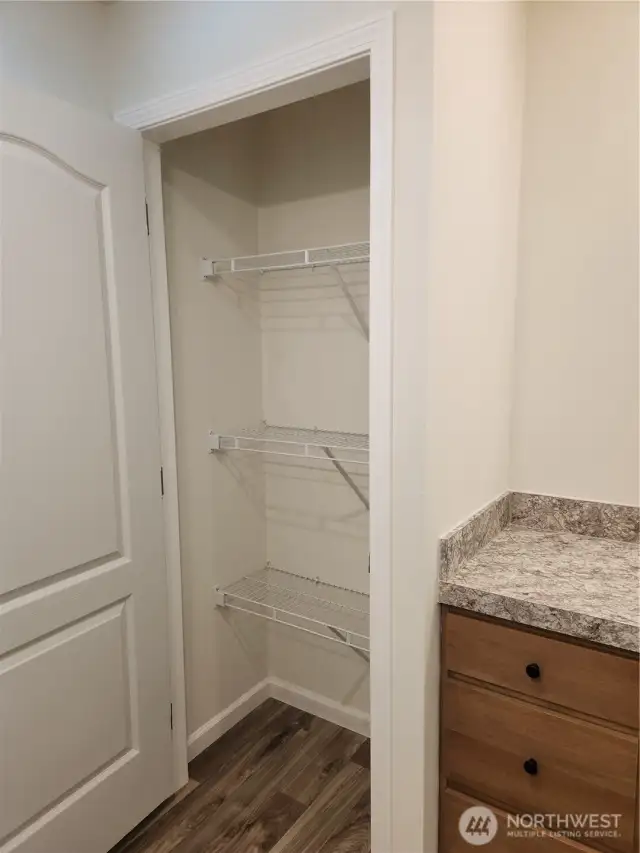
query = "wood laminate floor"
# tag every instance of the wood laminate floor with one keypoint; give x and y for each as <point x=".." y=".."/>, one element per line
<point x="281" y="781"/>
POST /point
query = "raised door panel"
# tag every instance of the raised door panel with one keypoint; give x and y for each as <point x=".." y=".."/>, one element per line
<point x="57" y="741"/>
<point x="59" y="442"/>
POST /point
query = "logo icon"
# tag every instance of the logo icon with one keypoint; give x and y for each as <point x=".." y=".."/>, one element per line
<point x="478" y="825"/>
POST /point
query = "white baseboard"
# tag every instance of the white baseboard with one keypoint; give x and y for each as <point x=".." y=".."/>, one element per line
<point x="222" y="722"/>
<point x="321" y="706"/>
<point x="291" y="694"/>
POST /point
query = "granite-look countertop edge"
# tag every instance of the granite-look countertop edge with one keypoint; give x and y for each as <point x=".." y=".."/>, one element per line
<point x="563" y="565"/>
<point x="584" y="626"/>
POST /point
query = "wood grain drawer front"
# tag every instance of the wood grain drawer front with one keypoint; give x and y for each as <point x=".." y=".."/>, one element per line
<point x="580" y="767"/>
<point x="598" y="683"/>
<point x="455" y="804"/>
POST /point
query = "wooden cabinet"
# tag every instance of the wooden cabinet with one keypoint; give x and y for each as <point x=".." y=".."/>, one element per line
<point x="533" y="724"/>
<point x="556" y="671"/>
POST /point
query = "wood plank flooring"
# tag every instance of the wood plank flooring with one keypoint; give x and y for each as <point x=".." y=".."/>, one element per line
<point x="280" y="781"/>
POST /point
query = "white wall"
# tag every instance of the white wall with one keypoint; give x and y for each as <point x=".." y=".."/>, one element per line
<point x="210" y="197"/>
<point x="575" y="424"/>
<point x="57" y="48"/>
<point x="415" y="649"/>
<point x="315" y="192"/>
<point x="164" y="47"/>
<point x="479" y="91"/>
<point x="470" y="200"/>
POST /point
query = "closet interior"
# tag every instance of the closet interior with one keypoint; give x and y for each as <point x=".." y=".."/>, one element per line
<point x="267" y="230"/>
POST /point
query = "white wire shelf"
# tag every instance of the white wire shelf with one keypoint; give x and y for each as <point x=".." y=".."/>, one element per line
<point x="296" y="441"/>
<point x="347" y="253"/>
<point x="332" y="612"/>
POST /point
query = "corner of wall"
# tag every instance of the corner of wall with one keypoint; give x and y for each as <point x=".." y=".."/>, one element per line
<point x="575" y="426"/>
<point x="522" y="23"/>
<point x="58" y="48"/>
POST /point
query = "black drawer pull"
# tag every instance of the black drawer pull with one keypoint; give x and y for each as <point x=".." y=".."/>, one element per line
<point x="532" y="670"/>
<point x="531" y="767"/>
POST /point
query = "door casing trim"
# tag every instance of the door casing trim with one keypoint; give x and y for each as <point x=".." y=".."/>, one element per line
<point x="170" y="117"/>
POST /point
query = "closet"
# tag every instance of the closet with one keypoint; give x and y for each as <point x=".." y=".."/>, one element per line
<point x="267" y="230"/>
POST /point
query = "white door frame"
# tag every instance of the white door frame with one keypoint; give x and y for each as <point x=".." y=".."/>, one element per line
<point x="179" y="114"/>
<point x="164" y="367"/>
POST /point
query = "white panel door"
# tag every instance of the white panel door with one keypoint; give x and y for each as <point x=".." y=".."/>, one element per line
<point x="85" y="741"/>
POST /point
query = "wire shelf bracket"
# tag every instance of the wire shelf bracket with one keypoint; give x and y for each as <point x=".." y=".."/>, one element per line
<point x="333" y="257"/>
<point x="339" y="448"/>
<point x="346" y="476"/>
<point x="357" y="313"/>
<point x="332" y="612"/>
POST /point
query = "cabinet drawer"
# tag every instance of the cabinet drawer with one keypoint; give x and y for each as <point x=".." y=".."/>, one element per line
<point x="594" y="682"/>
<point x="454" y="804"/>
<point x="574" y="766"/>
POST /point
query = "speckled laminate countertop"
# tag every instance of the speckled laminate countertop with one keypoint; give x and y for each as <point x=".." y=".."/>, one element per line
<point x="577" y="585"/>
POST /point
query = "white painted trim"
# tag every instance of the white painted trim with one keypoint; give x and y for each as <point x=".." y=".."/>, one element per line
<point x="214" y="728"/>
<point x="307" y="59"/>
<point x="381" y="439"/>
<point x="375" y="39"/>
<point x="160" y="293"/>
<point x="290" y="694"/>
<point x="314" y="703"/>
